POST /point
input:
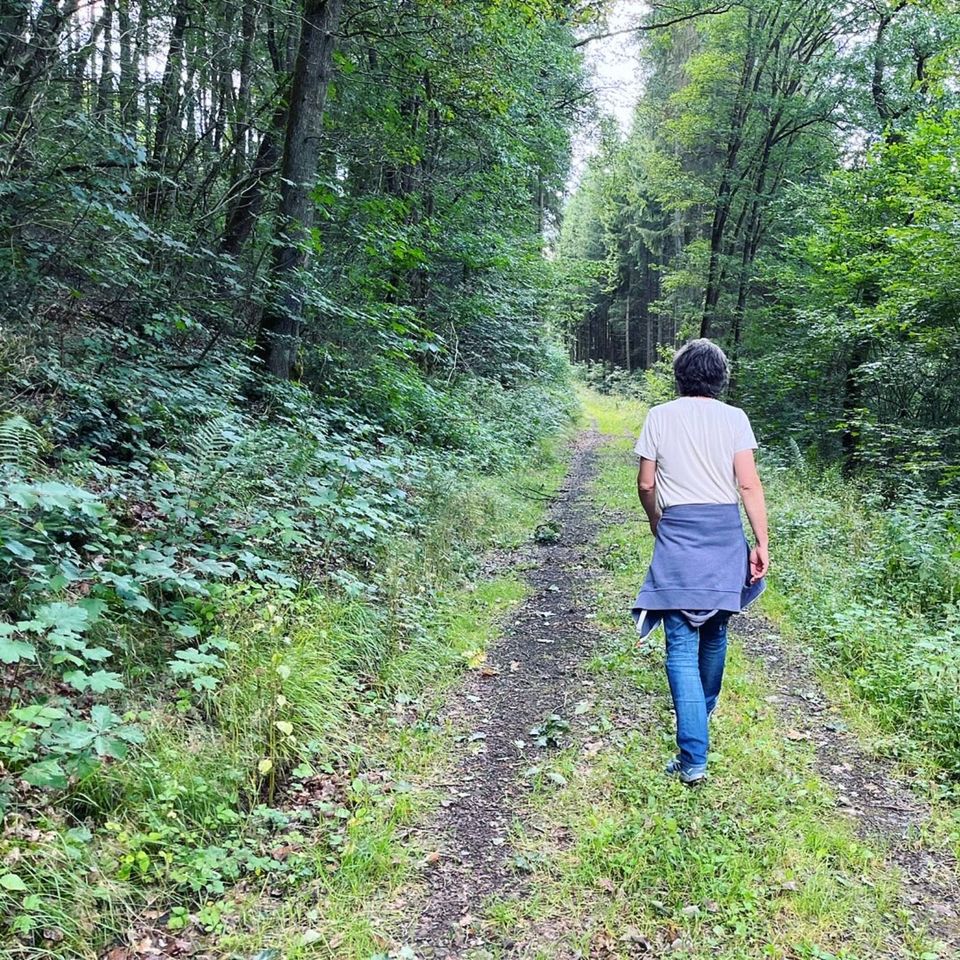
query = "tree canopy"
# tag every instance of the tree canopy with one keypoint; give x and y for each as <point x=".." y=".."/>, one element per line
<point x="788" y="188"/>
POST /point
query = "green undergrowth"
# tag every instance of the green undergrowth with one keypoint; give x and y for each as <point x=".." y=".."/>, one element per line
<point x="625" y="862"/>
<point x="874" y="589"/>
<point x="224" y="629"/>
<point x="287" y="778"/>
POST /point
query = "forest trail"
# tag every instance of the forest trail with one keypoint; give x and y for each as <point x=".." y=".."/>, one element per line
<point x="505" y="875"/>
<point x="530" y="675"/>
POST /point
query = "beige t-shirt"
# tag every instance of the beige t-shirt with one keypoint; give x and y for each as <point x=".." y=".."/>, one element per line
<point x="693" y="440"/>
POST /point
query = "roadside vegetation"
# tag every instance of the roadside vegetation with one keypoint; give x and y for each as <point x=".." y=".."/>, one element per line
<point x="225" y="638"/>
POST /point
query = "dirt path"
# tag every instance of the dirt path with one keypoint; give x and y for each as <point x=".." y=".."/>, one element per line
<point x="530" y="675"/>
<point x="867" y="788"/>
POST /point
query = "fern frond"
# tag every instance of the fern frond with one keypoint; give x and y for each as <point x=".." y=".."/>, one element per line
<point x="20" y="442"/>
<point x="214" y="439"/>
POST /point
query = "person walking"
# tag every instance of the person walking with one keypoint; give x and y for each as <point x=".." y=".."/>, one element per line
<point x="696" y="465"/>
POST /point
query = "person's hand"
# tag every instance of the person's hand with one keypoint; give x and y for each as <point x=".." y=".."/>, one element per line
<point x="759" y="562"/>
<point x="653" y="524"/>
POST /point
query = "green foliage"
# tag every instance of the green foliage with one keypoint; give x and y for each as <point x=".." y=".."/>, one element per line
<point x="868" y="291"/>
<point x="885" y="616"/>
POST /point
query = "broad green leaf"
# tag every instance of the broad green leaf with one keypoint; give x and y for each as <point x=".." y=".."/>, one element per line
<point x="46" y="773"/>
<point x="13" y="651"/>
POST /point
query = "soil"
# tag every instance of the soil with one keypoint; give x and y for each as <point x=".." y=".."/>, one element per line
<point x="531" y="674"/>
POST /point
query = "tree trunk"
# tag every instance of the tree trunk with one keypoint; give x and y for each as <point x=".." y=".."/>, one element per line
<point x="168" y="106"/>
<point x="128" y="72"/>
<point x="247" y="194"/>
<point x="279" y="334"/>
<point x="627" y="347"/>
<point x="104" y="103"/>
<point x="42" y="47"/>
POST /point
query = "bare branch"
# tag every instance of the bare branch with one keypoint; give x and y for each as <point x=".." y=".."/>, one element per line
<point x="646" y="27"/>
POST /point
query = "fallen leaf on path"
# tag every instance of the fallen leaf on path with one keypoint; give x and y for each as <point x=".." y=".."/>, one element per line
<point x="796" y="735"/>
<point x="475" y="658"/>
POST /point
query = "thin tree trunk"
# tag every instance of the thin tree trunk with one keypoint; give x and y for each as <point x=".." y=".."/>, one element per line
<point x="42" y="48"/>
<point x="626" y="322"/>
<point x="247" y="195"/>
<point x="278" y="336"/>
<point x="128" y="74"/>
<point x="168" y="106"/>
<point x="104" y="103"/>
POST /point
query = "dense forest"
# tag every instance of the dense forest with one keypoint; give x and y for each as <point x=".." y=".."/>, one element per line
<point x="296" y="294"/>
<point x="789" y="187"/>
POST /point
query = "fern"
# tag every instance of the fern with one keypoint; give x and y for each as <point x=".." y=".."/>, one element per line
<point x="214" y="439"/>
<point x="20" y="442"/>
<point x="796" y="455"/>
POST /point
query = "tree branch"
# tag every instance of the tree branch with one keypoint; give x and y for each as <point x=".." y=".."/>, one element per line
<point x="645" y="27"/>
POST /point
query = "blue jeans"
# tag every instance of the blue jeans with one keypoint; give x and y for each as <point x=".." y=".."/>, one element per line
<point x="695" y="661"/>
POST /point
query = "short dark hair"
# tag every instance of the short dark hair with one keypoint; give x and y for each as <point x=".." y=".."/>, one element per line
<point x="701" y="369"/>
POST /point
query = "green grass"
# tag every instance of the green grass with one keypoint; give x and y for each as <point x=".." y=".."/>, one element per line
<point x="319" y="740"/>
<point x="755" y="864"/>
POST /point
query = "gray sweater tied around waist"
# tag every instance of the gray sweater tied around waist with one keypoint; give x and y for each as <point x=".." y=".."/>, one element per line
<point x="700" y="566"/>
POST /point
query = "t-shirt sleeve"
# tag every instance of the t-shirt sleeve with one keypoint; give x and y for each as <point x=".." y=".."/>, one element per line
<point x="745" y="440"/>
<point x="646" y="446"/>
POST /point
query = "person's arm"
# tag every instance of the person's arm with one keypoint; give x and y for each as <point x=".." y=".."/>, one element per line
<point x="647" y="491"/>
<point x="751" y="493"/>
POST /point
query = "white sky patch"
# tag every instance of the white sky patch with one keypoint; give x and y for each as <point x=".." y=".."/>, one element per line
<point x="617" y="79"/>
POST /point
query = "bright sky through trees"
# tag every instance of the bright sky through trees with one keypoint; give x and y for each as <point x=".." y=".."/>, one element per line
<point x="615" y="78"/>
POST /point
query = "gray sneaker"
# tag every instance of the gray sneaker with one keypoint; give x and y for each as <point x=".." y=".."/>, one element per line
<point x="690" y="779"/>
